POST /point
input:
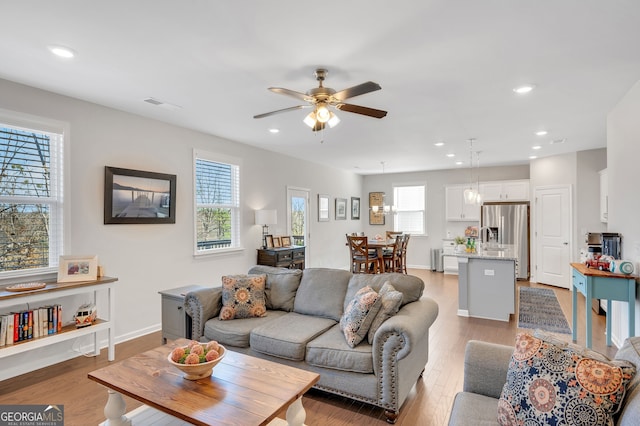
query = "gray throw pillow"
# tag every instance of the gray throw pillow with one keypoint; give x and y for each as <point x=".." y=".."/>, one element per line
<point x="281" y="286"/>
<point x="321" y="293"/>
<point x="389" y="306"/>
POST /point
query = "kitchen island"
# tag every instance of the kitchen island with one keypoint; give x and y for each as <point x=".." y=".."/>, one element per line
<point x="487" y="283"/>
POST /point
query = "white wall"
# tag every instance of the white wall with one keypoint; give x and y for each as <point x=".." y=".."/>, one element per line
<point x="623" y="152"/>
<point x="149" y="258"/>
<point x="418" y="254"/>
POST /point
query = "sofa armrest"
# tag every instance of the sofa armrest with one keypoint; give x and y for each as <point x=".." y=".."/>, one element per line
<point x="201" y="305"/>
<point x="485" y="367"/>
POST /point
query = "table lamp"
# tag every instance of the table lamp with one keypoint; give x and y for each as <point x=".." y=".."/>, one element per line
<point x="266" y="218"/>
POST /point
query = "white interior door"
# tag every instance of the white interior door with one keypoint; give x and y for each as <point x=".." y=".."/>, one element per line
<point x="553" y="235"/>
<point x="298" y="215"/>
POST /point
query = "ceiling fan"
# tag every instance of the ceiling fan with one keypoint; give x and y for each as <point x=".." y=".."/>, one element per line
<point x="321" y="98"/>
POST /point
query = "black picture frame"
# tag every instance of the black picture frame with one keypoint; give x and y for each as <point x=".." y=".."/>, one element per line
<point x="355" y="208"/>
<point x="138" y="197"/>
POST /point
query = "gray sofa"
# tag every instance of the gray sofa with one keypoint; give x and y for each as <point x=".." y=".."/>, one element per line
<point x="302" y="329"/>
<point x="485" y="374"/>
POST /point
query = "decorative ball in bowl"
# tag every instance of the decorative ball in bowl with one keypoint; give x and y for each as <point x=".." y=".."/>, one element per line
<point x="197" y="359"/>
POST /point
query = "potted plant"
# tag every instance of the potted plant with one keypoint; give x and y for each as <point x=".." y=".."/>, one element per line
<point x="460" y="244"/>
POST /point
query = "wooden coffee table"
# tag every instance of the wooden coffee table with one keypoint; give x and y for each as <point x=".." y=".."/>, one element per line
<point x="243" y="390"/>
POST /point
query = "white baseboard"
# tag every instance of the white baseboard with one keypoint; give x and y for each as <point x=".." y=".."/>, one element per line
<point x="463" y="312"/>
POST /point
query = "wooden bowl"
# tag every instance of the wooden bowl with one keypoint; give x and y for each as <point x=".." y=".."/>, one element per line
<point x="198" y="371"/>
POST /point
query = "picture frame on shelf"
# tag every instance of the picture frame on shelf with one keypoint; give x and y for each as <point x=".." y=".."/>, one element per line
<point x="355" y="208"/>
<point x="286" y="241"/>
<point x="277" y="243"/>
<point x="77" y="268"/>
<point x="341" y="209"/>
<point x="269" y="241"/>
<point x="323" y="208"/>
<point x="138" y="197"/>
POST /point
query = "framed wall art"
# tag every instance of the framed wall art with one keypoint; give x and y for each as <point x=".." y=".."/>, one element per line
<point x="341" y="208"/>
<point x="135" y="196"/>
<point x="355" y="208"/>
<point x="77" y="268"/>
<point x="323" y="208"/>
<point x="376" y="199"/>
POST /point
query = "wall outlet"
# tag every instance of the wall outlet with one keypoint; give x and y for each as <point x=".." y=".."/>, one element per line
<point x="490" y="272"/>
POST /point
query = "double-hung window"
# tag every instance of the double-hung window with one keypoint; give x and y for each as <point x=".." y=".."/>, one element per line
<point x="217" y="203"/>
<point x="410" y="204"/>
<point x="31" y="198"/>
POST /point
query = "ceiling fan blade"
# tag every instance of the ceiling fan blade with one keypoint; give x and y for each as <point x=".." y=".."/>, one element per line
<point x="358" y="90"/>
<point x="371" y="112"/>
<point x="267" y="114"/>
<point x="292" y="93"/>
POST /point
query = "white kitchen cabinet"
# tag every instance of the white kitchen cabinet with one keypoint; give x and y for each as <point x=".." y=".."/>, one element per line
<point x="455" y="207"/>
<point x="507" y="190"/>
<point x="604" y="196"/>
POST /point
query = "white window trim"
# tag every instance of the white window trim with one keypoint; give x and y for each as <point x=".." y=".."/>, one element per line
<point x="46" y="125"/>
<point x="426" y="193"/>
<point x="220" y="158"/>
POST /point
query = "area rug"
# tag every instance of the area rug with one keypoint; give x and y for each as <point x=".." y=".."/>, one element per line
<point x="539" y="309"/>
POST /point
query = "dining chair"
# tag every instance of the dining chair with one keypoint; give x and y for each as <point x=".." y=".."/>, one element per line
<point x="362" y="261"/>
<point x="392" y="262"/>
<point x="392" y="234"/>
<point x="402" y="268"/>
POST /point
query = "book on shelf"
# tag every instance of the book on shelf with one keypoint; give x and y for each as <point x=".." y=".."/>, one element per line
<point x="4" y="323"/>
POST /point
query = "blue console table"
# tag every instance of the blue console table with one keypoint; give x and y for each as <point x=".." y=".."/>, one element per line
<point x="596" y="284"/>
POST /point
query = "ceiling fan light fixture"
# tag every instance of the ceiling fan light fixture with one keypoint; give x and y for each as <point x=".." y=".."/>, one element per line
<point x="322" y="113"/>
<point x="310" y="120"/>
<point x="333" y="121"/>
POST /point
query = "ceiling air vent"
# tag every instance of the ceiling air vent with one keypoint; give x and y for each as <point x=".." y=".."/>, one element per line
<point x="161" y="104"/>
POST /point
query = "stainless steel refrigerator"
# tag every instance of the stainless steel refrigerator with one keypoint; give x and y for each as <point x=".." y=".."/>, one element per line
<point x="509" y="223"/>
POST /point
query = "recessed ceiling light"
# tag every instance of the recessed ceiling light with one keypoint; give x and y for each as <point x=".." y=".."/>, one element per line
<point x="541" y="133"/>
<point x="62" y="51"/>
<point x="556" y="141"/>
<point x="536" y="147"/>
<point x="274" y="130"/>
<point x="439" y="143"/>
<point x="532" y="157"/>
<point x="524" y="89"/>
<point x="451" y="155"/>
<point x="458" y="163"/>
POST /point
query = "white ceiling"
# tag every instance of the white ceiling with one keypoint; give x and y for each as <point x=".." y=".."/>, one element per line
<point x="447" y="69"/>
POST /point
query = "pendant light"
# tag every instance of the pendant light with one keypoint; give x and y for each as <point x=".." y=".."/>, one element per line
<point x="470" y="194"/>
<point x="385" y="209"/>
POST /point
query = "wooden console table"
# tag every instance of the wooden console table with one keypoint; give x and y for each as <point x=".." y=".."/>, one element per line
<point x="283" y="257"/>
<point x="596" y="284"/>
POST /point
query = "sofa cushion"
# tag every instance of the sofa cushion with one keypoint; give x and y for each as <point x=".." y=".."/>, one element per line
<point x="330" y="350"/>
<point x="473" y="409"/>
<point x="321" y="293"/>
<point x="557" y="385"/>
<point x="359" y="314"/>
<point x="410" y="286"/>
<point x="281" y="286"/>
<point x="390" y="301"/>
<point x="236" y="333"/>
<point x="287" y="336"/>
<point x="243" y="296"/>
<point x="630" y="351"/>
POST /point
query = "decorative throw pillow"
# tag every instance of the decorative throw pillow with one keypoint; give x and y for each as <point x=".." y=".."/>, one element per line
<point x="356" y="320"/>
<point x="389" y="306"/>
<point x="243" y="297"/>
<point x="550" y="384"/>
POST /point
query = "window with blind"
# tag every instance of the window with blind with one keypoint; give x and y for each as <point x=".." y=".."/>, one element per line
<point x="217" y="203"/>
<point x="410" y="205"/>
<point x="31" y="202"/>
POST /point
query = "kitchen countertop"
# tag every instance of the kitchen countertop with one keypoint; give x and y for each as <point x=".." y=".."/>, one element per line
<point x="500" y="252"/>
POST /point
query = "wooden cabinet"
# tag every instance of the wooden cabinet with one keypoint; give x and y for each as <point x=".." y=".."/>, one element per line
<point x="604" y="196"/>
<point x="507" y="190"/>
<point x="284" y="257"/>
<point x="175" y="323"/>
<point x="456" y="208"/>
<point x="102" y="287"/>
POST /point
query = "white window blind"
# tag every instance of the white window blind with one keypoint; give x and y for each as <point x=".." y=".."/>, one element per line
<point x="410" y="205"/>
<point x="217" y="204"/>
<point x="31" y="199"/>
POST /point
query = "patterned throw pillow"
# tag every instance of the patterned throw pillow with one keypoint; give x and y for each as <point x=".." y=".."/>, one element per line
<point x="390" y="303"/>
<point x="553" y="385"/>
<point x="356" y="320"/>
<point x="243" y="296"/>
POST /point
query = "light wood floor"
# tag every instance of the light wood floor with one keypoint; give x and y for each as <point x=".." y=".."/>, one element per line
<point x="428" y="403"/>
